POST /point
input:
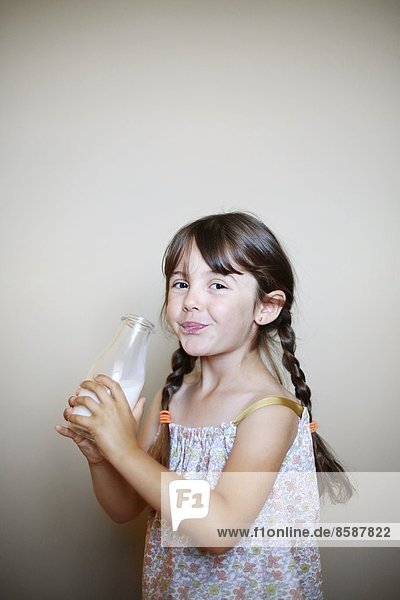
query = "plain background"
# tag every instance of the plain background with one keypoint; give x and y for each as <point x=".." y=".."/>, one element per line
<point x="121" y="121"/>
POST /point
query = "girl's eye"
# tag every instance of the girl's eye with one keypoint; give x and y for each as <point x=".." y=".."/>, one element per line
<point x="180" y="285"/>
<point x="219" y="286"/>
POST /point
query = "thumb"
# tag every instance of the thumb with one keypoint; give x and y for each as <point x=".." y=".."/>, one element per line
<point x="138" y="409"/>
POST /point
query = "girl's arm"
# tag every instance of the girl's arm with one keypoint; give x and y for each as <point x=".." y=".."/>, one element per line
<point x="233" y="500"/>
<point x="116" y="496"/>
<point x="114" y="493"/>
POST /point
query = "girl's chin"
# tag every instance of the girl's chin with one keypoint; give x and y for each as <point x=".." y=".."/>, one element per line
<point x="201" y="353"/>
<point x="193" y="348"/>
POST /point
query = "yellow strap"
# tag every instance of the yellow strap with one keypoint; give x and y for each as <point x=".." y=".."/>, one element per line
<point x="298" y="408"/>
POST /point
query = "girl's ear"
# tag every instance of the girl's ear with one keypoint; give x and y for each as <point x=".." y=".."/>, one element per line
<point x="269" y="309"/>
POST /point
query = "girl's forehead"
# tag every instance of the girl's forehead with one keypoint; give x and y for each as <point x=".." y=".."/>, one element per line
<point x="191" y="260"/>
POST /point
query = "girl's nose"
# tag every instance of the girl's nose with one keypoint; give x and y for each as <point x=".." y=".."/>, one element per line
<point x="191" y="302"/>
<point x="188" y="307"/>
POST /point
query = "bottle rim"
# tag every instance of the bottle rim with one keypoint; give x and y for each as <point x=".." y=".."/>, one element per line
<point x="138" y="321"/>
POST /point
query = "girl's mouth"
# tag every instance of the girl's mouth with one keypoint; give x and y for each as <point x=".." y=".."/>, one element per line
<point x="193" y="326"/>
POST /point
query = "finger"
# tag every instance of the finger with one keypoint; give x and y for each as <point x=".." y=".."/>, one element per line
<point x="138" y="409"/>
<point x="65" y="431"/>
<point x="71" y="398"/>
<point x="100" y="390"/>
<point x="86" y="401"/>
<point x="66" y="413"/>
<point x="141" y="401"/>
<point x="81" y="421"/>
<point x="116" y="390"/>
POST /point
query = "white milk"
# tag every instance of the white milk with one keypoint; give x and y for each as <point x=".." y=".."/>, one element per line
<point x="131" y="389"/>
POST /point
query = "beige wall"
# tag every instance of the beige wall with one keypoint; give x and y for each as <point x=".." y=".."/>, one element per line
<point x="119" y="122"/>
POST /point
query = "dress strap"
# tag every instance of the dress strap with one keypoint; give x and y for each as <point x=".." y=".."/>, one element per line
<point x="298" y="408"/>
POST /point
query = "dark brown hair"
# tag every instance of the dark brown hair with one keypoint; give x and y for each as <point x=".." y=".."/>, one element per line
<point x="229" y="241"/>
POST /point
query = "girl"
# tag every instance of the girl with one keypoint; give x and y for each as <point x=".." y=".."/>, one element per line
<point x="223" y="409"/>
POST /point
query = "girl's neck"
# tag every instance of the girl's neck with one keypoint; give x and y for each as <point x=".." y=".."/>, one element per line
<point x="224" y="371"/>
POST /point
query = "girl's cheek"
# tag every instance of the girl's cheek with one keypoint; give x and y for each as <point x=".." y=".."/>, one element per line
<point x="169" y="313"/>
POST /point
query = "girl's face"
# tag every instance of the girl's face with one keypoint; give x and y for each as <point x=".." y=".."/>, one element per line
<point x="211" y="313"/>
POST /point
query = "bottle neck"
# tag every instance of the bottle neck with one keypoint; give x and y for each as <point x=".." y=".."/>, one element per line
<point x="138" y="323"/>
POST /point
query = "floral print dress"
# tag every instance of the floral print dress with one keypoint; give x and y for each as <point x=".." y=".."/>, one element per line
<point x="245" y="572"/>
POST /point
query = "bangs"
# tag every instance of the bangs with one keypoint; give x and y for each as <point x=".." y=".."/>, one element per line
<point x="219" y="252"/>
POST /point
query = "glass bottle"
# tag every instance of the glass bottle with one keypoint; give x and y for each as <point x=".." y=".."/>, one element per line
<point x="123" y="360"/>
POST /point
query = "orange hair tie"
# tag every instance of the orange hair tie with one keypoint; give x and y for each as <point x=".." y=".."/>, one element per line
<point x="313" y="426"/>
<point x="165" y="416"/>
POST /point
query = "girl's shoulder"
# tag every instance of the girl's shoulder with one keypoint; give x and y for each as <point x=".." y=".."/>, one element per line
<point x="268" y="388"/>
<point x="282" y="393"/>
<point x="271" y="395"/>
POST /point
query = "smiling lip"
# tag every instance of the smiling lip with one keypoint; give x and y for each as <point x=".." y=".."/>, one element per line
<point x="192" y="326"/>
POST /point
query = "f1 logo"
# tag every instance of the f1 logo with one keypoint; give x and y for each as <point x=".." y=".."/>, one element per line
<point x="189" y="499"/>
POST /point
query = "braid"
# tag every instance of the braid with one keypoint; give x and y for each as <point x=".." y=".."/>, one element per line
<point x="290" y="362"/>
<point x="336" y="483"/>
<point x="181" y="363"/>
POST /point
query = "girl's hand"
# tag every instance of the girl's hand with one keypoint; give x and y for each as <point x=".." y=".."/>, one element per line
<point x="88" y="448"/>
<point x="112" y="424"/>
